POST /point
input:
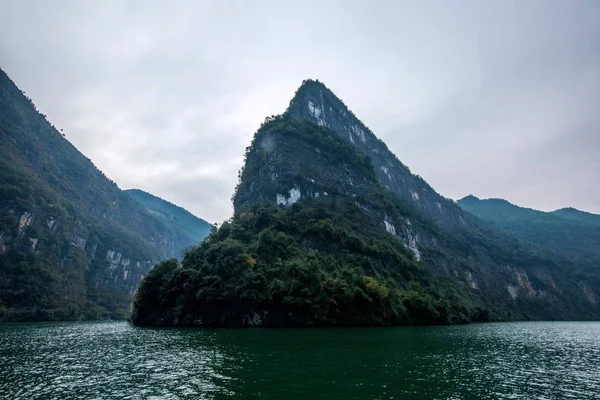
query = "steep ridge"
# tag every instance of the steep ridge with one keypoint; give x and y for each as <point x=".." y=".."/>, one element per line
<point x="319" y="155"/>
<point x="315" y="102"/>
<point x="72" y="244"/>
<point x="190" y="229"/>
<point x="321" y="258"/>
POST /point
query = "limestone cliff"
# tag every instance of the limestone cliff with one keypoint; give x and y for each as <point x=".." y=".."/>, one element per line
<point x="284" y="167"/>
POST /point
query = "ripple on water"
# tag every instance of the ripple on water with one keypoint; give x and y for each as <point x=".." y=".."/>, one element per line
<point x="546" y="360"/>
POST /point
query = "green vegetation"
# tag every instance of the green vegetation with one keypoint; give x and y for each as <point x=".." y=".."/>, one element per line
<point x="568" y="233"/>
<point x="308" y="265"/>
<point x="192" y="229"/>
<point x="577" y="215"/>
<point x="61" y="219"/>
<point x="328" y="260"/>
<point x="74" y="246"/>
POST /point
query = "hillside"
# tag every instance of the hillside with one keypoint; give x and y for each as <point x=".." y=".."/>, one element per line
<point x="577" y="215"/>
<point x="319" y="262"/>
<point x="191" y="229"/>
<point x="72" y="244"/>
<point x="347" y="223"/>
<point x="569" y="233"/>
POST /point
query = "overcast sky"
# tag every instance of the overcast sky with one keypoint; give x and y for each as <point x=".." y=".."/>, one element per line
<point x="491" y="98"/>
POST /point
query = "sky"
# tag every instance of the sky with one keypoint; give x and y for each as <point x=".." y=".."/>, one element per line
<point x="490" y="98"/>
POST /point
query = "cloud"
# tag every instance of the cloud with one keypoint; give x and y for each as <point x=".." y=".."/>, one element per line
<point x="494" y="99"/>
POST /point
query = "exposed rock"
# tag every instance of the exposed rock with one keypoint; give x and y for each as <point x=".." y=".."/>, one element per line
<point x="512" y="291"/>
<point x="294" y="196"/>
<point x="589" y="294"/>
<point x="34" y="243"/>
<point x="525" y="284"/>
<point x="471" y="280"/>
<point x="389" y="226"/>
<point x="256" y="318"/>
<point x="25" y="220"/>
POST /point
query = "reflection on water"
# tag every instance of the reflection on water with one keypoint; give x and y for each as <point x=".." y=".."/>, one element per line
<point x="545" y="360"/>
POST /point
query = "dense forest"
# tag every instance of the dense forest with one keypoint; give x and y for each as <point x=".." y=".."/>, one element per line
<point x="567" y="233"/>
<point x="308" y="265"/>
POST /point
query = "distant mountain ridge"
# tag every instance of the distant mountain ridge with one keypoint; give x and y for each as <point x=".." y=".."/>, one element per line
<point x="500" y="210"/>
<point x="578" y="215"/>
<point x="72" y="244"/>
<point x="568" y="232"/>
<point x="192" y="228"/>
<point x="497" y="209"/>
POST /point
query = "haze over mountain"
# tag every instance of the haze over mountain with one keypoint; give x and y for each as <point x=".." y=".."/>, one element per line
<point x="495" y="98"/>
<point x="578" y="215"/>
<point x="568" y="232"/>
<point x="72" y="244"/>
<point x="192" y="229"/>
<point x="331" y="228"/>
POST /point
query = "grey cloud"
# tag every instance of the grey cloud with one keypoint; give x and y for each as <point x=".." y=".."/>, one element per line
<point x="495" y="99"/>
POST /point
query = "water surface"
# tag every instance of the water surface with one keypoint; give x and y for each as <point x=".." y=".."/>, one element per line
<point x="114" y="360"/>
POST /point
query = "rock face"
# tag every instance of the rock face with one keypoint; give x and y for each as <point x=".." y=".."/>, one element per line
<point x="284" y="168"/>
<point x="72" y="244"/>
<point x="315" y="102"/>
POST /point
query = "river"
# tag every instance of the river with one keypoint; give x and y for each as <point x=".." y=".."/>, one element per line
<point x="114" y="360"/>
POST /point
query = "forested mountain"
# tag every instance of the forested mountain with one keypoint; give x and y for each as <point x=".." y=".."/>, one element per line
<point x="72" y="244"/>
<point x="191" y="229"/>
<point x="569" y="233"/>
<point x="330" y="228"/>
<point x="577" y="215"/>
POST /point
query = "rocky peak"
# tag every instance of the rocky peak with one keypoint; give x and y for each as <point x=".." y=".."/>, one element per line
<point x="315" y="102"/>
<point x="319" y="163"/>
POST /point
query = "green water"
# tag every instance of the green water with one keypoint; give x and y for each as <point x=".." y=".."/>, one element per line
<point x="113" y="360"/>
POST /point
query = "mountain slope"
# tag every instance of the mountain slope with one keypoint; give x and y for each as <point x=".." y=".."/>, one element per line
<point x="315" y="102"/>
<point x="322" y="261"/>
<point x="446" y="238"/>
<point x="318" y="158"/>
<point x="577" y="215"/>
<point x="192" y="229"/>
<point x="72" y="244"/>
<point x="570" y="233"/>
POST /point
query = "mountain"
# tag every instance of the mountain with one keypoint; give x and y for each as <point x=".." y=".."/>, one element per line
<point x="191" y="229"/>
<point x="330" y="228"/>
<point x="72" y="244"/>
<point x="317" y="262"/>
<point x="568" y="232"/>
<point x="577" y="215"/>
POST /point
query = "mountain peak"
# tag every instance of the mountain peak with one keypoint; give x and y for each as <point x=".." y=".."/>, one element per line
<point x="578" y="215"/>
<point x="567" y="209"/>
<point x="311" y="84"/>
<point x="316" y="102"/>
<point x="469" y="198"/>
